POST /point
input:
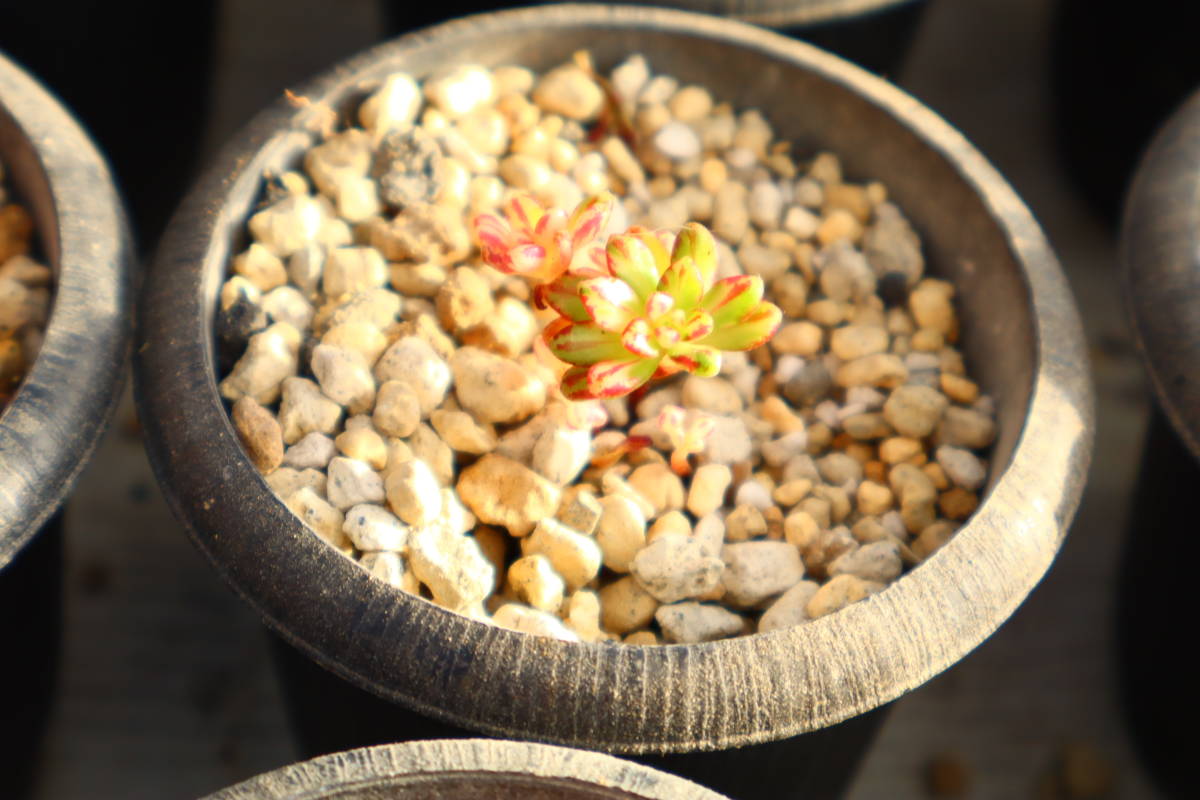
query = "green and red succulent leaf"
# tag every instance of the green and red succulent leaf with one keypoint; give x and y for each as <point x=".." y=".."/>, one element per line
<point x="562" y="295"/>
<point x="751" y="331"/>
<point x="610" y="303"/>
<point x="583" y="344"/>
<point x="695" y="242"/>
<point x="632" y="261"/>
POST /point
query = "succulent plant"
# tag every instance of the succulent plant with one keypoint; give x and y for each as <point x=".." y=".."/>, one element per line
<point x="543" y="243"/>
<point x="687" y="434"/>
<point x="651" y="312"/>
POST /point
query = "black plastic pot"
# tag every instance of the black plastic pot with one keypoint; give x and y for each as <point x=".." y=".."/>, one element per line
<point x="1160" y="259"/>
<point x="768" y="691"/>
<point x="328" y="715"/>
<point x="52" y="424"/>
<point x="476" y="769"/>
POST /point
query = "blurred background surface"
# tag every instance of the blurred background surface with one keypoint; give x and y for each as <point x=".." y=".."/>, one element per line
<point x="166" y="688"/>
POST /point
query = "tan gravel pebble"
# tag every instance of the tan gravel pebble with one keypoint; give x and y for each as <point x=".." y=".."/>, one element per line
<point x="536" y="584"/>
<point x="625" y="606"/>
<point x="659" y="485"/>
<point x="503" y="492"/>
<point x="707" y="489"/>
<point x="259" y="433"/>
<point x="494" y="388"/>
<point x="835" y="595"/>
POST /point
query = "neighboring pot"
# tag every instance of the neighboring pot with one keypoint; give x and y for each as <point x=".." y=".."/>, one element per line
<point x="1160" y="260"/>
<point x="466" y="769"/>
<point x="51" y="425"/>
<point x="1021" y="333"/>
<point x="872" y="33"/>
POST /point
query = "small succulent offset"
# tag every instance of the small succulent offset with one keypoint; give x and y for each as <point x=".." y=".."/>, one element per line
<point x="688" y="435"/>
<point x="647" y="305"/>
<point x="542" y="243"/>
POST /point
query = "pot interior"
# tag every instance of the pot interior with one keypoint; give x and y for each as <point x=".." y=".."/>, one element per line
<point x="963" y="242"/>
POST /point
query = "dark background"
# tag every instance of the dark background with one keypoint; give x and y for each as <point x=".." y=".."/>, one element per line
<point x="165" y="688"/>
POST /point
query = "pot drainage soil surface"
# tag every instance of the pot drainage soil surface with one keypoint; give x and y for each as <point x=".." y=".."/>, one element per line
<point x="385" y="381"/>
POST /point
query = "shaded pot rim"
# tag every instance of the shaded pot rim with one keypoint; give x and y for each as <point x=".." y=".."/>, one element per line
<point x="383" y="766"/>
<point x="626" y="699"/>
<point x="788" y="14"/>
<point x="55" y="419"/>
<point x="1160" y="266"/>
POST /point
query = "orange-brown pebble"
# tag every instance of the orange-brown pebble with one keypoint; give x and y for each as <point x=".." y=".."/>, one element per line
<point x="16" y="231"/>
<point x="937" y="475"/>
<point x="839" y="224"/>
<point x="898" y="449"/>
<point x="958" y="503"/>
<point x="959" y="389"/>
<point x="260" y="434"/>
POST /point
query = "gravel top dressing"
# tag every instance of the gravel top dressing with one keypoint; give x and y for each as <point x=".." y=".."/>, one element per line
<point x="24" y="295"/>
<point x="397" y="395"/>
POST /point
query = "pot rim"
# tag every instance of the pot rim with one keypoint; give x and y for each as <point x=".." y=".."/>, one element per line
<point x="54" y="421"/>
<point x="784" y="682"/>
<point x="374" y="767"/>
<point x="1160" y="266"/>
<point x="788" y="14"/>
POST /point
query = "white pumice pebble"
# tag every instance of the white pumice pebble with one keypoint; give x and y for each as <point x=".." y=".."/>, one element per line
<point x="451" y="565"/>
<point x="285" y="481"/>
<point x="412" y="360"/>
<point x="271" y="357"/>
<point x="674" y="568"/>
<point x="691" y="622"/>
<point x="413" y="492"/>
<point x="755" y="571"/>
<point x="457" y="91"/>
<point x="390" y="568"/>
<point x="344" y="377"/>
<point x="320" y="516"/>
<point x="313" y="451"/>
<point x="372" y="527"/>
<point x="394" y="106"/>
<point x="288" y="225"/>
<point x="529" y="620"/>
<point x="352" y="482"/>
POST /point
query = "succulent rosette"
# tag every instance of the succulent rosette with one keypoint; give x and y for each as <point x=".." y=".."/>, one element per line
<point x="542" y="243"/>
<point x="651" y="312"/>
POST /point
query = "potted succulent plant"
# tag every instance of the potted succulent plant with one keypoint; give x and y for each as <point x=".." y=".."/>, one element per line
<point x="1018" y="329"/>
<point x="53" y="412"/>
